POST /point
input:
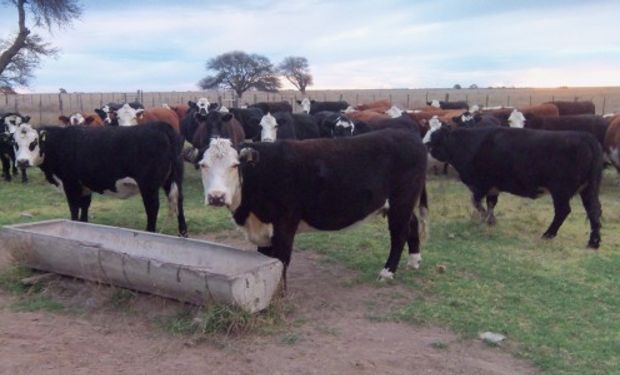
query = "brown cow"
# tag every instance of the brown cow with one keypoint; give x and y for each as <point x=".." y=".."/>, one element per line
<point x="516" y="117"/>
<point x="159" y="114"/>
<point x="612" y="142"/>
<point x="367" y="116"/>
<point x="180" y="110"/>
<point x="574" y="108"/>
<point x="87" y="119"/>
<point x="379" y="106"/>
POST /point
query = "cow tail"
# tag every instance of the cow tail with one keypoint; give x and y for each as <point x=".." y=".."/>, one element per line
<point x="423" y="227"/>
<point x="176" y="174"/>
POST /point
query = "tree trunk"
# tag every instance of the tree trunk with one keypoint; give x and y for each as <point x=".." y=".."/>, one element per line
<point x="20" y="41"/>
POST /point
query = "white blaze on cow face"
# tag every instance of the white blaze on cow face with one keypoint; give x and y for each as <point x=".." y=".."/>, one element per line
<point x="27" y="146"/>
<point x="220" y="177"/>
<point x="349" y="109"/>
<point x="203" y="106"/>
<point x="77" y="119"/>
<point x="435" y="125"/>
<point x="127" y="116"/>
<point x="516" y="119"/>
<point x="466" y="117"/>
<point x="269" y="128"/>
<point x="474" y="108"/>
<point x="394" y="112"/>
<point x="305" y="105"/>
<point x="435" y="103"/>
<point x="223" y="110"/>
<point x="346" y="124"/>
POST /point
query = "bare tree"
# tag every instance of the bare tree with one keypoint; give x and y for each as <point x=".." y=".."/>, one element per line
<point x="296" y="71"/>
<point x="22" y="53"/>
<point x="241" y="72"/>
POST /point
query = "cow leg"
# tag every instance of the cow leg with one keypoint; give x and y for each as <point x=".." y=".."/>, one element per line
<point x="84" y="205"/>
<point x="24" y="175"/>
<point x="282" y="244"/>
<point x="445" y="168"/>
<point x="399" y="222"/>
<point x="561" y="207"/>
<point x="491" y="202"/>
<point x="592" y="205"/>
<point x="476" y="201"/>
<point x="175" y="199"/>
<point x="413" y="242"/>
<point x="150" y="199"/>
<point x="6" y="167"/>
<point x="266" y="250"/>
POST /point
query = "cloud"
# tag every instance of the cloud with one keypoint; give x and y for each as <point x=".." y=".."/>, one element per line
<point x="120" y="46"/>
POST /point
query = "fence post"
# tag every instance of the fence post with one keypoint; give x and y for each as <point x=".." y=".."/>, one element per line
<point x="426" y="98"/>
<point x="467" y="99"/>
<point x="40" y="109"/>
<point x="604" y="103"/>
<point x="447" y="97"/>
<point x="60" y="104"/>
<point x="408" y="101"/>
<point x="357" y="99"/>
<point x="530" y="100"/>
<point x="81" y="103"/>
<point x="486" y="101"/>
<point x="390" y="99"/>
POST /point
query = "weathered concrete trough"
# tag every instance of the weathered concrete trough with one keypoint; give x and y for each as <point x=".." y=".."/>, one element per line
<point x="199" y="272"/>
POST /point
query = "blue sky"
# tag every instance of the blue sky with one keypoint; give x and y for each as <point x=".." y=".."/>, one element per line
<point x="163" y="45"/>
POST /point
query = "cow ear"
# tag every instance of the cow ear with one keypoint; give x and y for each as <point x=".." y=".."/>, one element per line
<point x="227" y="117"/>
<point x="26" y="118"/>
<point x="139" y="113"/>
<point x="88" y="120"/>
<point x="64" y="119"/>
<point x="312" y="101"/>
<point x="191" y="104"/>
<point x="298" y="101"/>
<point x="249" y="156"/>
<point x="213" y="107"/>
<point x="42" y="136"/>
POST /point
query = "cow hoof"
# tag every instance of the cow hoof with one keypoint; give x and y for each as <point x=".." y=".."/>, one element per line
<point x="548" y="236"/>
<point x="414" y="261"/>
<point x="183" y="234"/>
<point x="594" y="243"/>
<point x="491" y="220"/>
<point x="385" y="275"/>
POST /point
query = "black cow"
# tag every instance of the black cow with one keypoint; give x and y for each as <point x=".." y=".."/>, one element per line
<point x="448" y="105"/>
<point x="216" y="125"/>
<point x="312" y="107"/>
<point x="8" y="124"/>
<point x="593" y="124"/>
<point x="476" y="120"/>
<point x="250" y="120"/>
<point x="574" y="108"/>
<point x="526" y="163"/>
<point x="119" y="161"/>
<point x="273" y="107"/>
<point x="286" y="125"/>
<point x="321" y="184"/>
<point x="403" y="122"/>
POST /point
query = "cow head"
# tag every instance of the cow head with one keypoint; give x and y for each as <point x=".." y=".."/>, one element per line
<point x="434" y="125"/>
<point x="29" y="146"/>
<point x="344" y="127"/>
<point x="269" y="128"/>
<point x="220" y="175"/>
<point x="12" y="120"/>
<point x="465" y="120"/>
<point x="437" y="142"/>
<point x="203" y="106"/>
<point x="434" y="103"/>
<point x="209" y="127"/>
<point x="73" y="120"/>
<point x="127" y="115"/>
<point x="394" y="112"/>
<point x="516" y="119"/>
<point x="474" y="108"/>
<point x="305" y="105"/>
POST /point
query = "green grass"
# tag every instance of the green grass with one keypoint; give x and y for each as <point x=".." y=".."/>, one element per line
<point x="557" y="302"/>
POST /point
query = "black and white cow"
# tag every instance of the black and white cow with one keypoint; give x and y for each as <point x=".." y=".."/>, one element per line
<point x="448" y="105"/>
<point x="275" y="190"/>
<point x="475" y="120"/>
<point x="118" y="161"/>
<point x="108" y="115"/>
<point x="526" y="163"/>
<point x="8" y="124"/>
<point x="312" y="107"/>
<point x="286" y="125"/>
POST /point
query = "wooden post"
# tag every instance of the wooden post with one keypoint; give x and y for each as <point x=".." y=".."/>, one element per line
<point x="357" y="99"/>
<point x="152" y="100"/>
<point x="81" y="102"/>
<point x="530" y="100"/>
<point x="604" y="103"/>
<point x="486" y="101"/>
<point x="447" y="97"/>
<point x="100" y="100"/>
<point x="254" y="99"/>
<point x="374" y="99"/>
<point x="40" y="109"/>
<point x="508" y="101"/>
<point x="60" y="106"/>
<point x="426" y="98"/>
<point x="408" y="101"/>
<point x="467" y="99"/>
<point x="390" y="99"/>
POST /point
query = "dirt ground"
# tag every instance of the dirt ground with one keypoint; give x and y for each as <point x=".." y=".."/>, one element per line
<point x="330" y="330"/>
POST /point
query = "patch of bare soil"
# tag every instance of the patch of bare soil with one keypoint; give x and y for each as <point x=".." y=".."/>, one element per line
<point x="331" y="330"/>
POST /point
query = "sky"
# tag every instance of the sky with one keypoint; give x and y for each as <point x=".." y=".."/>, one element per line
<point x="164" y="45"/>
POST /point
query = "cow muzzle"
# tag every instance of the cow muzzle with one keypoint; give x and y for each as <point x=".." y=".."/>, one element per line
<point x="22" y="163"/>
<point x="217" y="199"/>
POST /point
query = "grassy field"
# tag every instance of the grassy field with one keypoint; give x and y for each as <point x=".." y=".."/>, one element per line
<point x="558" y="303"/>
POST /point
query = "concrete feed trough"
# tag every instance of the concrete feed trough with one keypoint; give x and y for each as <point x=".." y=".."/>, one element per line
<point x="199" y="272"/>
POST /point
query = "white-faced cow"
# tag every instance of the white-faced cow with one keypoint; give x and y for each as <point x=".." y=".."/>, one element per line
<point x="8" y="125"/>
<point x="275" y="190"/>
<point x="525" y="163"/>
<point x="85" y="119"/>
<point x="286" y="125"/>
<point x="312" y="107"/>
<point x="118" y="161"/>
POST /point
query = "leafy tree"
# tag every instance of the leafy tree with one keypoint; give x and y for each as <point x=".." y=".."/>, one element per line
<point x="241" y="72"/>
<point x="457" y="87"/>
<point x="473" y="86"/>
<point x="296" y="71"/>
<point x="22" y="53"/>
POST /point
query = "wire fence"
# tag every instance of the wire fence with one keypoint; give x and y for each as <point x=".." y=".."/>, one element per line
<point x="45" y="108"/>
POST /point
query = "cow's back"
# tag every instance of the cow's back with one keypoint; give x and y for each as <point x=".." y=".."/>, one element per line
<point x="161" y="114"/>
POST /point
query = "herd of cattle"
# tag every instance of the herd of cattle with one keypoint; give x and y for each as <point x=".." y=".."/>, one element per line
<point x="335" y="166"/>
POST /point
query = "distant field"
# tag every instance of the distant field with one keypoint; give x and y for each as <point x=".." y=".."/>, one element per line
<point x="45" y="108"/>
